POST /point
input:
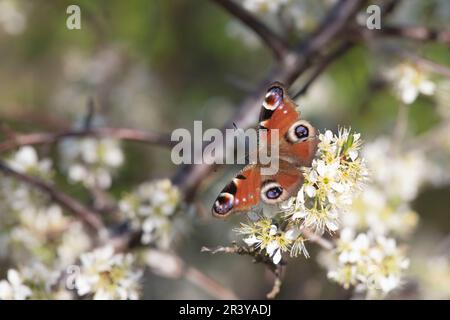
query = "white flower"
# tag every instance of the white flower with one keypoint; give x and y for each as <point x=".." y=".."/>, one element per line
<point x="107" y="275"/>
<point x="12" y="19"/>
<point x="74" y="242"/>
<point x="270" y="6"/>
<point x="375" y="265"/>
<point x="410" y="81"/>
<point x="153" y="207"/>
<point x="13" y="288"/>
<point x="331" y="183"/>
<point x="26" y="160"/>
<point x="92" y="161"/>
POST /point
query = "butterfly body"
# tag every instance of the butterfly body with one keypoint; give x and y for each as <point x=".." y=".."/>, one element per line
<point x="297" y="147"/>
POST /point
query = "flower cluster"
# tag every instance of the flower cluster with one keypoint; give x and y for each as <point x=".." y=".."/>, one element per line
<point x="384" y="207"/>
<point x="34" y="231"/>
<point x="153" y="207"/>
<point x="92" y="161"/>
<point x="409" y="81"/>
<point x="107" y="275"/>
<point x="270" y="6"/>
<point x="331" y="183"/>
<point x="265" y="235"/>
<point x="372" y="264"/>
<point x="12" y="288"/>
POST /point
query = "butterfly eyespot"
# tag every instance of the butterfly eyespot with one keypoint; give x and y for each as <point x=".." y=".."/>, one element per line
<point x="223" y="204"/>
<point x="299" y="131"/>
<point x="273" y="98"/>
<point x="272" y="192"/>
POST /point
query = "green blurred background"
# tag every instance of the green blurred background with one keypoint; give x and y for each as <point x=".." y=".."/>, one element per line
<point x="159" y="65"/>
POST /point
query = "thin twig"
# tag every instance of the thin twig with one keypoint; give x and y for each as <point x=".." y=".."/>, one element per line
<point x="427" y="64"/>
<point x="418" y="33"/>
<point x="314" y="237"/>
<point x="278" y="281"/>
<point x="322" y="65"/>
<point x="118" y="133"/>
<point x="401" y="127"/>
<point x="170" y="265"/>
<point x="85" y="214"/>
<point x="208" y="284"/>
<point x="273" y="41"/>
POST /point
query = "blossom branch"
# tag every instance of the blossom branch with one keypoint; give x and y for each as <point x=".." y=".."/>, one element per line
<point x="208" y="284"/>
<point x="427" y="64"/>
<point x="276" y="283"/>
<point x="118" y="133"/>
<point x="273" y="41"/>
<point x="171" y="265"/>
<point x="314" y="237"/>
<point x="85" y="214"/>
<point x="323" y="64"/>
<point x="418" y="33"/>
<point x="257" y="258"/>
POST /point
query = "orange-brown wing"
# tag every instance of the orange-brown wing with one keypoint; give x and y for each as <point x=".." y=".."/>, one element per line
<point x="298" y="141"/>
<point x="249" y="187"/>
<point x="241" y="194"/>
<point x="282" y="185"/>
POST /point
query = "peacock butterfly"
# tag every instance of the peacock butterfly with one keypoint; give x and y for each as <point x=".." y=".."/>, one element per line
<point x="297" y="147"/>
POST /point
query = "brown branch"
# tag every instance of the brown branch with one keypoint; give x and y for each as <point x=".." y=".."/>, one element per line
<point x="258" y="257"/>
<point x="208" y="284"/>
<point x="314" y="237"/>
<point x="87" y="215"/>
<point x="323" y="64"/>
<point x="427" y="64"/>
<point x="278" y="281"/>
<point x="170" y="265"/>
<point x="118" y="133"/>
<point x="273" y="41"/>
<point x="418" y="33"/>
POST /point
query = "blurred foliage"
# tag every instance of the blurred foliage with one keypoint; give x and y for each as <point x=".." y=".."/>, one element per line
<point x="190" y="68"/>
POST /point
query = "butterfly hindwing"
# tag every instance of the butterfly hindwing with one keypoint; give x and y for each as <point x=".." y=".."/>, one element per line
<point x="280" y="186"/>
<point x="250" y="186"/>
<point x="241" y="194"/>
<point x="297" y="137"/>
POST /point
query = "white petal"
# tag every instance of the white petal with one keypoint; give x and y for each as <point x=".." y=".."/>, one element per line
<point x="332" y="225"/>
<point x="409" y="94"/>
<point x="277" y="257"/>
<point x="252" y="240"/>
<point x="292" y="234"/>
<point x="310" y="191"/>
<point x="299" y="214"/>
<point x="427" y="87"/>
<point x="337" y="187"/>
<point x="273" y="230"/>
<point x="14" y="277"/>
<point x="353" y="154"/>
<point x="321" y="168"/>
<point x="271" y="247"/>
